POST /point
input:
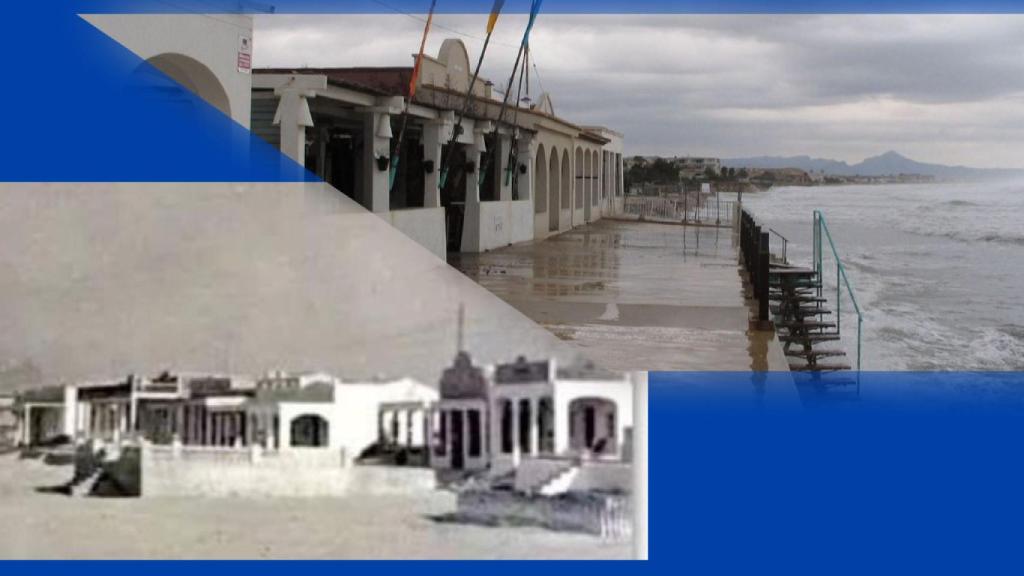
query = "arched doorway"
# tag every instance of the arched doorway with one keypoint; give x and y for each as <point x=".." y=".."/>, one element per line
<point x="553" y="197"/>
<point x="593" y="426"/>
<point x="310" y="430"/>
<point x="540" y="182"/>
<point x="191" y="74"/>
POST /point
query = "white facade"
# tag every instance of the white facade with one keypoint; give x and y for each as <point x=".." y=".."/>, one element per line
<point x="281" y="412"/>
<point x="199" y="51"/>
<point x="343" y="123"/>
<point x="530" y="418"/>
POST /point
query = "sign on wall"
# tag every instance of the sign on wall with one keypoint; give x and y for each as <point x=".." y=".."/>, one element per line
<point x="245" y="54"/>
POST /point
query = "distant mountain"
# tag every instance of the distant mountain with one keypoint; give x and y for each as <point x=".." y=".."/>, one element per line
<point x="888" y="164"/>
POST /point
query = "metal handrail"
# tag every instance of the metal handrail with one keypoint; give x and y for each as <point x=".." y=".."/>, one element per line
<point x="821" y="226"/>
<point x="785" y="243"/>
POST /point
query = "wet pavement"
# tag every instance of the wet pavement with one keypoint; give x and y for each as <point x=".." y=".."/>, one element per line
<point x="635" y="295"/>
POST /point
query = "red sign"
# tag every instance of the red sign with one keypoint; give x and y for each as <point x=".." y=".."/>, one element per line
<point x="244" y="54"/>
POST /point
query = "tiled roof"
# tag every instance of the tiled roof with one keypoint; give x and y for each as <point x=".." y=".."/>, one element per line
<point x="391" y="81"/>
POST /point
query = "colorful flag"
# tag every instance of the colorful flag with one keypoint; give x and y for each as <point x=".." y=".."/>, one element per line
<point x="419" y="57"/>
<point x="534" y="9"/>
<point x="396" y="156"/>
<point x="493" y="19"/>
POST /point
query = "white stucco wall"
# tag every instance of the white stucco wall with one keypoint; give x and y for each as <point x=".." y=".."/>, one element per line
<point x="424" y="225"/>
<point x="504" y="222"/>
<point x="618" y="391"/>
<point x="358" y="405"/>
<point x="213" y="40"/>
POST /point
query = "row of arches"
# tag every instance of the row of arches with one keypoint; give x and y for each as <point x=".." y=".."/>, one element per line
<point x="553" y="189"/>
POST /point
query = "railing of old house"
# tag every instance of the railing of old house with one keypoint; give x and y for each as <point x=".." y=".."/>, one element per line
<point x="821" y="233"/>
<point x="692" y="207"/>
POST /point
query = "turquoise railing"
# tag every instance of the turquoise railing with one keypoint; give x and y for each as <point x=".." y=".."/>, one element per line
<point x="821" y="231"/>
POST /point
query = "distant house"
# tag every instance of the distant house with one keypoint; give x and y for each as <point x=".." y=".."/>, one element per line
<point x="697" y="167"/>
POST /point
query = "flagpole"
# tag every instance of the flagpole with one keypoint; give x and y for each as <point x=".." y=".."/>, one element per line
<point x="413" y="79"/>
<point x="492" y="20"/>
<point x="523" y="47"/>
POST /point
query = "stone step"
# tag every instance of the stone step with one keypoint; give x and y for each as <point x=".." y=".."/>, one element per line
<point x="818" y="367"/>
<point x="815" y="353"/>
<point x="808" y="338"/>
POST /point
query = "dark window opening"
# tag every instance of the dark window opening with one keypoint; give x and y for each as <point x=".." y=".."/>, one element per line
<point x="524" y="426"/>
<point x="506" y="426"/>
<point x="491" y="169"/>
<point x="474" y="432"/>
<point x="442" y="444"/>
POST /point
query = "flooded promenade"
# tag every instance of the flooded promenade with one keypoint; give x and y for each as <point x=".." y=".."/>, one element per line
<point x="635" y="295"/>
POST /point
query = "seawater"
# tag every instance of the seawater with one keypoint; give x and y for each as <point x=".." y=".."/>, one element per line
<point x="937" y="269"/>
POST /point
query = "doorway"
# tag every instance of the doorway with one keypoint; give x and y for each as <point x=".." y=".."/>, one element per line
<point x="453" y="195"/>
<point x="458" y="456"/>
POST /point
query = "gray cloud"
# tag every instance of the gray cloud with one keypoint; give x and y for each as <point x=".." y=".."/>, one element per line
<point x="937" y="88"/>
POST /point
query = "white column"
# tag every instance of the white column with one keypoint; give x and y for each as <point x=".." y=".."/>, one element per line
<point x="516" y="450"/>
<point x="293" y="117"/>
<point x="473" y="153"/>
<point x="284" y="432"/>
<point x="435" y="134"/>
<point x="409" y="429"/>
<point x="179" y="422"/>
<point x="561" y="423"/>
<point x="527" y="154"/>
<point x="26" y="425"/>
<point x="494" y="445"/>
<point x="534" y="428"/>
<point x="376" y="144"/>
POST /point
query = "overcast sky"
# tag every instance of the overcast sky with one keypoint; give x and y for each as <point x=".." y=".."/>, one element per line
<point x="946" y="89"/>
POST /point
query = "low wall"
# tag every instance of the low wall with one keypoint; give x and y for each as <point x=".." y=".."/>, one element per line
<point x="424" y="225"/>
<point x="604" y="477"/>
<point x="498" y="224"/>
<point x="242" y="472"/>
<point x="608" y="516"/>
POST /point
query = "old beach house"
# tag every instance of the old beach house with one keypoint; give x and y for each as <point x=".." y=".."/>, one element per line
<point x="543" y="427"/>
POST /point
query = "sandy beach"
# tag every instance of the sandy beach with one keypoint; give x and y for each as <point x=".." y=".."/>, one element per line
<point x="53" y="526"/>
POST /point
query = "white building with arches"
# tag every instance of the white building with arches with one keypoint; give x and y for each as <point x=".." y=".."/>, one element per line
<point x="512" y="174"/>
<point x="279" y="412"/>
<point x="536" y="422"/>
